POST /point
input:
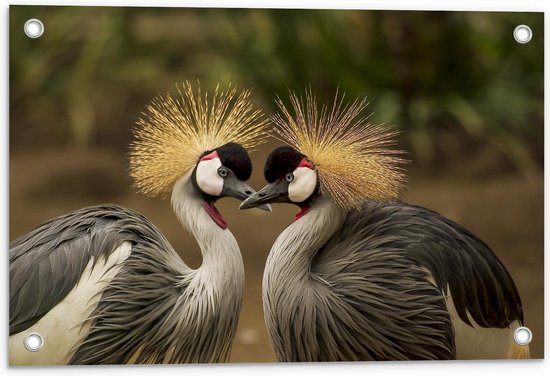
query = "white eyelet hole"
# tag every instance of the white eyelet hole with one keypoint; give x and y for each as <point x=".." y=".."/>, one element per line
<point x="33" y="342"/>
<point x="34" y="28"/>
<point x="523" y="336"/>
<point x="523" y="34"/>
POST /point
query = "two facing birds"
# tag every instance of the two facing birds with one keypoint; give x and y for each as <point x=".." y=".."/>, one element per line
<point x="358" y="275"/>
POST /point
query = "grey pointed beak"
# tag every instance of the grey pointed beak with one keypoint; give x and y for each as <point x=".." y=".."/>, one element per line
<point x="240" y="190"/>
<point x="274" y="192"/>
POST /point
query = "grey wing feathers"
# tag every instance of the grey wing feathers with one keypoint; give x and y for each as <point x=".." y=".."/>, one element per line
<point x="46" y="263"/>
<point x="372" y="274"/>
<point x="382" y="306"/>
<point x="478" y="282"/>
<point x="132" y="320"/>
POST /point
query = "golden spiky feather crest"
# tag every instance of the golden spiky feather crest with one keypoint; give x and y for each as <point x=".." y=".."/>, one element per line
<point x="175" y="130"/>
<point x="353" y="157"/>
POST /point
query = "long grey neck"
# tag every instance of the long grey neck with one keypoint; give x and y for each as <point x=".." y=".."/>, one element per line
<point x="222" y="269"/>
<point x="293" y="251"/>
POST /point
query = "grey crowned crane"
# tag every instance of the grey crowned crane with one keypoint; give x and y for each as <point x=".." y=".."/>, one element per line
<point x="102" y="285"/>
<point x="360" y="275"/>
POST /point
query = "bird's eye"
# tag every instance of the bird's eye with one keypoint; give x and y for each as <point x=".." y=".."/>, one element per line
<point x="223" y="172"/>
<point x="289" y="177"/>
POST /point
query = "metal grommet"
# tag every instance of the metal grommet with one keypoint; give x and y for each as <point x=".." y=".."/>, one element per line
<point x="34" y="28"/>
<point x="523" y="34"/>
<point x="523" y="335"/>
<point x="33" y="342"/>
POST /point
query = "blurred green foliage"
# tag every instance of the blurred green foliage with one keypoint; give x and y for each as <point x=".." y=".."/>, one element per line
<point x="455" y="83"/>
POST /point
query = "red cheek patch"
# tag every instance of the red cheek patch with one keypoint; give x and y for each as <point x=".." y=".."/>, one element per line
<point x="210" y="156"/>
<point x="305" y="163"/>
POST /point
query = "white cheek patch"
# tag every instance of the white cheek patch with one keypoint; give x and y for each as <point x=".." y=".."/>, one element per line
<point x="303" y="185"/>
<point x="207" y="176"/>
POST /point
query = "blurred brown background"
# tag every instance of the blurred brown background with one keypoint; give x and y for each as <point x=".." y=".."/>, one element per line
<point x="467" y="97"/>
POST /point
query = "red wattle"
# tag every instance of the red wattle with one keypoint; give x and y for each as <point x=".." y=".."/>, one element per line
<point x="301" y="213"/>
<point x="215" y="214"/>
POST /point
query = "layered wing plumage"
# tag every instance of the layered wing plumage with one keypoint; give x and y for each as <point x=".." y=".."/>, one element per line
<point x="134" y="318"/>
<point x="376" y="268"/>
<point x="46" y="263"/>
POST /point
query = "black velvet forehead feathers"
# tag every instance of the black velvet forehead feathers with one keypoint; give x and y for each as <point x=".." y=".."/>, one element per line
<point x="236" y="158"/>
<point x="281" y="161"/>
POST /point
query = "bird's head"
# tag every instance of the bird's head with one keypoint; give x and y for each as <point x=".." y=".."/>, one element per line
<point x="223" y="172"/>
<point x="292" y="179"/>
<point x="333" y="152"/>
<point x="198" y="142"/>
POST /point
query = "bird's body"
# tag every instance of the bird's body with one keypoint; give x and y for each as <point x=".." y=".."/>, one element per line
<point x="386" y="281"/>
<point x="111" y="268"/>
<point x="360" y="275"/>
<point x="102" y="285"/>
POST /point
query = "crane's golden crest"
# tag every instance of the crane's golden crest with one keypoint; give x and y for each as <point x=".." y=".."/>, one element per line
<point x="175" y="130"/>
<point x="353" y="157"/>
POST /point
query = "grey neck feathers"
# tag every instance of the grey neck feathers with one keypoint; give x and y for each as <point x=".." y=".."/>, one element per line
<point x="294" y="249"/>
<point x="221" y="275"/>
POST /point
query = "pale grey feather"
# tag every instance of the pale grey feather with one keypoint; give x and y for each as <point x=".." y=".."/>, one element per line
<point x="354" y="285"/>
<point x="146" y="313"/>
<point x="47" y="262"/>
